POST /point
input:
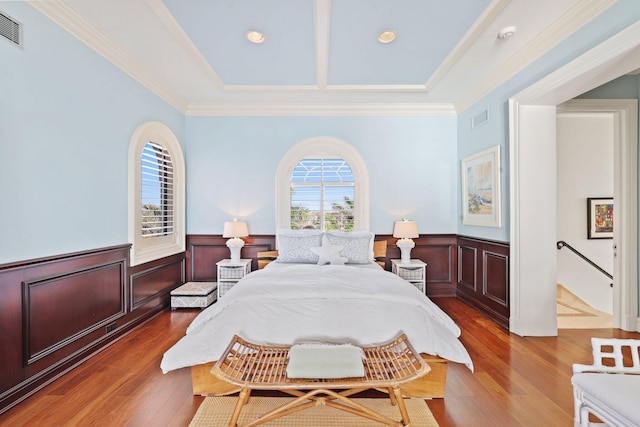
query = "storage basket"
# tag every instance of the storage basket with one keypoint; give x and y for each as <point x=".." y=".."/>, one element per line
<point x="224" y="287"/>
<point x="232" y="272"/>
<point x="410" y="273"/>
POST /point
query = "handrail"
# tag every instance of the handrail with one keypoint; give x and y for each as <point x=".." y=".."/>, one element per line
<point x="561" y="244"/>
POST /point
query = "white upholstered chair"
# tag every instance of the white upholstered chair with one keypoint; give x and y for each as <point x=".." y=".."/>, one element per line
<point x="612" y="393"/>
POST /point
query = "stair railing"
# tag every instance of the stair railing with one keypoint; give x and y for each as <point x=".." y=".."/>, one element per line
<point x="561" y="244"/>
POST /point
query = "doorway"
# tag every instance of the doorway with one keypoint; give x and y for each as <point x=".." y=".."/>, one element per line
<point x="532" y="135"/>
<point x="585" y="181"/>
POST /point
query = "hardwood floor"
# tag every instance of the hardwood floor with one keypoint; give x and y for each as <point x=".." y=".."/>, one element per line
<point x="517" y="381"/>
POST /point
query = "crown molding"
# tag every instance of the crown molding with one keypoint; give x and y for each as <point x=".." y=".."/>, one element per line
<point x="377" y="88"/>
<point x="354" y="109"/>
<point x="67" y="18"/>
<point x="271" y="88"/>
<point x="581" y="13"/>
<point x="326" y="88"/>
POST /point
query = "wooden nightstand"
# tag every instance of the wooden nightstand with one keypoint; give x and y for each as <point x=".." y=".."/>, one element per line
<point x="230" y="272"/>
<point x="414" y="272"/>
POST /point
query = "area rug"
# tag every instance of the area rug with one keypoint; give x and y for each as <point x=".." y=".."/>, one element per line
<point x="216" y="411"/>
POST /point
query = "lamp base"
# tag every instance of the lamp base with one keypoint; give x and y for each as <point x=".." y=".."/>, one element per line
<point x="235" y="245"/>
<point x="405" y="246"/>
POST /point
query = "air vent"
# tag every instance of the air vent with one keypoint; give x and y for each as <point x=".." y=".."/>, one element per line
<point x="480" y="119"/>
<point x="10" y="29"/>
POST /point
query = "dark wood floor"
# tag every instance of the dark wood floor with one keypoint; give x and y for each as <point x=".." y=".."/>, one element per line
<point x="517" y="381"/>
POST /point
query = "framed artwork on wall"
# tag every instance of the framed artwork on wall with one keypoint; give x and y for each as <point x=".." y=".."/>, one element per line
<point x="600" y="217"/>
<point x="481" y="188"/>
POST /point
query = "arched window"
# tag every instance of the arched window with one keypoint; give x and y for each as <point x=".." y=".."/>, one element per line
<point x="322" y="195"/>
<point x="322" y="183"/>
<point x="156" y="193"/>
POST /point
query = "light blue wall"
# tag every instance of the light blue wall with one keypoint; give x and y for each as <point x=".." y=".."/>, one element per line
<point x="232" y="163"/>
<point x="625" y="87"/>
<point x="496" y="132"/>
<point x="66" y="117"/>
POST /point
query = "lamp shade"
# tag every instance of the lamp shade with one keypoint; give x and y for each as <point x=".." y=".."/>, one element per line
<point x="405" y="229"/>
<point x="235" y="229"/>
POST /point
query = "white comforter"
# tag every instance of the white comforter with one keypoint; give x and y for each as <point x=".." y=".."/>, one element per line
<point x="302" y="303"/>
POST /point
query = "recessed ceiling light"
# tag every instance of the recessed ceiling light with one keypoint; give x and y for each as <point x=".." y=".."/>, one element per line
<point x="387" y="36"/>
<point x="255" y="36"/>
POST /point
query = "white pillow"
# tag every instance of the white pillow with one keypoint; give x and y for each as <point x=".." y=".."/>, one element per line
<point x="328" y="253"/>
<point x="297" y="249"/>
<point x="298" y="233"/>
<point x="358" y="245"/>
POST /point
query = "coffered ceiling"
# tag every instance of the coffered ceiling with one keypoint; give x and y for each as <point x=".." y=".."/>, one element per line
<point x="321" y="56"/>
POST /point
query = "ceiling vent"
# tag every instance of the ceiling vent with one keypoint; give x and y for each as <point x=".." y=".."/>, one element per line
<point x="480" y="119"/>
<point x="10" y="29"/>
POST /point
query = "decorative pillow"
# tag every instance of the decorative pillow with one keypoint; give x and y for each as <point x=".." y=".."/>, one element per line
<point x="298" y="248"/>
<point x="358" y="245"/>
<point x="328" y="253"/>
<point x="296" y="233"/>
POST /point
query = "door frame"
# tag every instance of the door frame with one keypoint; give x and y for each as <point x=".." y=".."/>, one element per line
<point x="532" y="116"/>
<point x="625" y="122"/>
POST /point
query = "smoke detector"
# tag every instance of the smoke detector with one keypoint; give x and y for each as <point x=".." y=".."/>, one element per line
<point x="506" y="32"/>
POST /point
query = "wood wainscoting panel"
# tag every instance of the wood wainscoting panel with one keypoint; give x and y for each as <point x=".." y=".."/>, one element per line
<point x="60" y="309"/>
<point x="11" y="338"/>
<point x="57" y="311"/>
<point x="205" y="250"/>
<point x="467" y="266"/>
<point x="154" y="279"/>
<point x="439" y="253"/>
<point x="54" y="312"/>
<point x="488" y="262"/>
<point x="496" y="275"/>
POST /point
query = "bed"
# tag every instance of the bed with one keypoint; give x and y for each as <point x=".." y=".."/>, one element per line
<point x="303" y="300"/>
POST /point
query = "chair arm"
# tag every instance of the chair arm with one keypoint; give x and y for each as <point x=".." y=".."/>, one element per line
<point x="579" y="368"/>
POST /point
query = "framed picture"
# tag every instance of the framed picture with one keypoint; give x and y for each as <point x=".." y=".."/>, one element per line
<point x="481" y="188"/>
<point x="600" y="218"/>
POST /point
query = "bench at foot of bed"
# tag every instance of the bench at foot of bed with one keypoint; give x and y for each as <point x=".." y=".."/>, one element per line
<point x="302" y="373"/>
<point x="429" y="386"/>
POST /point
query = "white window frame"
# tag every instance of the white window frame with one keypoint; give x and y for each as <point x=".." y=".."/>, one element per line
<point x="322" y="147"/>
<point x="149" y="249"/>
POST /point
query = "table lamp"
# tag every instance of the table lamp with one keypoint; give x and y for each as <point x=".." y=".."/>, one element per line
<point x="405" y="230"/>
<point x="235" y="229"/>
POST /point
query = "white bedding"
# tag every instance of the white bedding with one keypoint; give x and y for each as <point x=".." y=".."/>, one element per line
<point x="304" y="303"/>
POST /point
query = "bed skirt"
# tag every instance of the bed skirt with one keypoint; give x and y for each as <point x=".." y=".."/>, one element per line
<point x="429" y="386"/>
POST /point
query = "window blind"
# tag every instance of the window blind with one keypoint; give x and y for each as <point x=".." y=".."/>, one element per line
<point x="156" y="192"/>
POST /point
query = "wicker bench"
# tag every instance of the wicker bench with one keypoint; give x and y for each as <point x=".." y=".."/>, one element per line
<point x="256" y="367"/>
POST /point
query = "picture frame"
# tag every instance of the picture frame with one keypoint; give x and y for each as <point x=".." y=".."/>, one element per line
<point x="600" y="217"/>
<point x="481" y="204"/>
